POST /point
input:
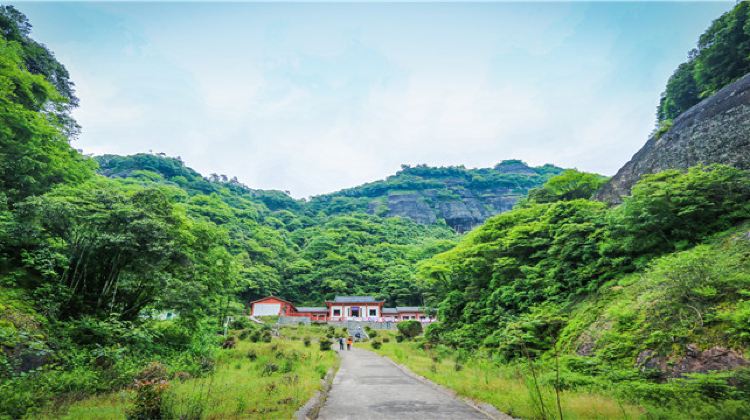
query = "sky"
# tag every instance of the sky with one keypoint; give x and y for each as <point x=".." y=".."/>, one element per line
<point x="311" y="98"/>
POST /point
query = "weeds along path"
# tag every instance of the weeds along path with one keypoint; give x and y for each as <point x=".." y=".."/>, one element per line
<point x="368" y="386"/>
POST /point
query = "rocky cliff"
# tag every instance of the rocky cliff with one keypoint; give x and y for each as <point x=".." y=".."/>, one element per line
<point x="462" y="198"/>
<point x="716" y="130"/>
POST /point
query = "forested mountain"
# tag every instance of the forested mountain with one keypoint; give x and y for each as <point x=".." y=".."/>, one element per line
<point x="462" y="198"/>
<point x="288" y="249"/>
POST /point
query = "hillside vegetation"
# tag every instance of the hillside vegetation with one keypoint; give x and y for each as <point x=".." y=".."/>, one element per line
<point x="460" y="197"/>
<point x="721" y="57"/>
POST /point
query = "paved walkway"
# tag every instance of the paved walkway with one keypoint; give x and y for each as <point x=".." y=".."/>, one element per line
<point x="368" y="386"/>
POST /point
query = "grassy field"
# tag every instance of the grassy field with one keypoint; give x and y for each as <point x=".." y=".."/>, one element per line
<point x="510" y="389"/>
<point x="253" y="380"/>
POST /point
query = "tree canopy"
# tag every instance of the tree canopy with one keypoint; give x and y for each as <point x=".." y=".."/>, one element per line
<point x="721" y="57"/>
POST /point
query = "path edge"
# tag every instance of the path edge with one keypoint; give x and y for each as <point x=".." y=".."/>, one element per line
<point x="312" y="407"/>
<point x="487" y="409"/>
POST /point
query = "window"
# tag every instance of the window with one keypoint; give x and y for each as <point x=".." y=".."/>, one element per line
<point x="337" y="312"/>
<point x="373" y="312"/>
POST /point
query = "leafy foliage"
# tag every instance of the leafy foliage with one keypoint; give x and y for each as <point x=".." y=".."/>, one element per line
<point x="721" y="57"/>
<point x="410" y="329"/>
<point x="569" y="185"/>
<point x="505" y="281"/>
<point x="34" y="151"/>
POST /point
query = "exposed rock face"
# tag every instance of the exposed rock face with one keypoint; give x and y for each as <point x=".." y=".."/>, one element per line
<point x="462" y="198"/>
<point x="462" y="213"/>
<point x="694" y="360"/>
<point x="412" y="206"/>
<point x="716" y="130"/>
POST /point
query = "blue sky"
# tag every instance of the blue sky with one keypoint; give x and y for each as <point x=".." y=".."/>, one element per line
<point x="312" y="98"/>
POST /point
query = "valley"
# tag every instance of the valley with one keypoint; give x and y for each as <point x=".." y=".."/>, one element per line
<point x="128" y="282"/>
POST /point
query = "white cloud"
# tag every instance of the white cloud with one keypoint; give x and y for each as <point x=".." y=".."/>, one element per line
<point x="314" y="98"/>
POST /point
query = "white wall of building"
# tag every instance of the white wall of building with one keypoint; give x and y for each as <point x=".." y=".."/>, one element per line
<point x="345" y="311"/>
<point x="266" y="309"/>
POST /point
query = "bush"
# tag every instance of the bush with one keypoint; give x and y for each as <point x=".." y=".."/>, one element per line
<point x="244" y="334"/>
<point x="372" y="333"/>
<point x="376" y="344"/>
<point x="266" y="336"/>
<point x="241" y="323"/>
<point x="269" y="369"/>
<point x="409" y="329"/>
<point x="150" y="385"/>
<point x="306" y="341"/>
<point x="325" y="345"/>
<point x="399" y="338"/>
<point x="229" y="343"/>
<point x="386" y="340"/>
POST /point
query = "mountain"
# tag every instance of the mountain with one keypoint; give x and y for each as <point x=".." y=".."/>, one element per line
<point x="460" y="197"/>
<point x="716" y="130"/>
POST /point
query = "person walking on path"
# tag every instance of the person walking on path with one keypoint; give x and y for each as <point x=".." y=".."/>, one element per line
<point x="349" y="343"/>
<point x="341" y="343"/>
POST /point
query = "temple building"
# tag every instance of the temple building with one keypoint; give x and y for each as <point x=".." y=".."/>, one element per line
<point x="341" y="308"/>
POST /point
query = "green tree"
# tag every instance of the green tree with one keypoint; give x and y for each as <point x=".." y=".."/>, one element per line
<point x="569" y="185"/>
<point x="721" y="57"/>
<point x="34" y="151"/>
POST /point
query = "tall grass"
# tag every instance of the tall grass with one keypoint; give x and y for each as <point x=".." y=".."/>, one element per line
<point x="252" y="380"/>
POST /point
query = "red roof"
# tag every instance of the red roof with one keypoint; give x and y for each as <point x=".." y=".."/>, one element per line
<point x="271" y="297"/>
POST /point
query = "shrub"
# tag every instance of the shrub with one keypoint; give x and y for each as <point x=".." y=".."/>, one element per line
<point x="252" y="355"/>
<point x="150" y="385"/>
<point x="409" y="329"/>
<point x="269" y="369"/>
<point x="266" y="336"/>
<point x="386" y="340"/>
<point x="229" y="343"/>
<point x="376" y="344"/>
<point x="372" y="333"/>
<point x="306" y="341"/>
<point x="399" y="338"/>
<point x="241" y="323"/>
<point x="325" y="345"/>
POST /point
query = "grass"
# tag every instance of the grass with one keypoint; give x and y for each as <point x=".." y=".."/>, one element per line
<point x="509" y="388"/>
<point x="253" y="380"/>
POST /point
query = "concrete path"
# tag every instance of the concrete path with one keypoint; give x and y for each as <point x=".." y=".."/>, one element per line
<point x="368" y="386"/>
